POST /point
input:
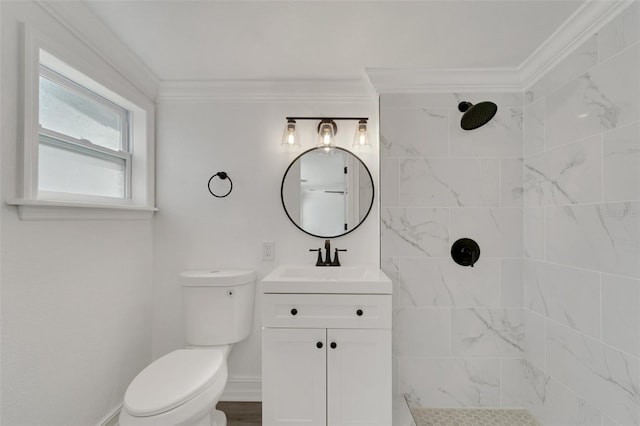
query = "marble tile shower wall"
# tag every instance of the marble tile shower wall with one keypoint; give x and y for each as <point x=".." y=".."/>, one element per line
<point x="582" y="236"/>
<point x="453" y="326"/>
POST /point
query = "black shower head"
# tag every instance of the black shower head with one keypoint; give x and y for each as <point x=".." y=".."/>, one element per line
<point x="476" y="115"/>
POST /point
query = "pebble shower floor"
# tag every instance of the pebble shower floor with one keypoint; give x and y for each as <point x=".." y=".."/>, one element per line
<point x="472" y="417"/>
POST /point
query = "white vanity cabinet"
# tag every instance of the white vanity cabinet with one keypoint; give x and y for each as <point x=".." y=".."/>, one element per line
<point x="326" y="359"/>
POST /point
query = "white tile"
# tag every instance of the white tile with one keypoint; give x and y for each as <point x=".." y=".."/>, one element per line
<point x="389" y="182"/>
<point x="487" y="332"/>
<point x="620" y="33"/>
<point x="401" y="413"/>
<point x="588" y="415"/>
<point x="414" y="132"/>
<point x="391" y="267"/>
<point x="450" y="383"/>
<point x="448" y="100"/>
<point x="511" y="188"/>
<point x="603" y="237"/>
<point x="498" y="231"/>
<point x="418" y="100"/>
<point x="511" y="283"/>
<point x="601" y="374"/>
<point x="442" y="282"/>
<point x="395" y="376"/>
<point x="621" y="163"/>
<point x="500" y="137"/>
<point x="414" y="232"/>
<point x="534" y="233"/>
<point x="607" y="97"/>
<point x="608" y="421"/>
<point x="567" y="175"/>
<point x="449" y="182"/>
<point x="535" y="339"/>
<point x="578" y="62"/>
<point x="621" y="313"/>
<point x="534" y="128"/>
<point x="502" y="99"/>
<point x="548" y="400"/>
<point x="420" y="332"/>
<point x="513" y="387"/>
<point x="567" y="295"/>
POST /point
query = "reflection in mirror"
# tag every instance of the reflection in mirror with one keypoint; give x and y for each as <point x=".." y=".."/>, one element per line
<point x="327" y="194"/>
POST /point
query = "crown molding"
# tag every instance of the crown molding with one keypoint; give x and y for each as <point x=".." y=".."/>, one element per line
<point x="76" y="17"/>
<point x="386" y="80"/>
<point x="329" y="90"/>
<point x="584" y="23"/>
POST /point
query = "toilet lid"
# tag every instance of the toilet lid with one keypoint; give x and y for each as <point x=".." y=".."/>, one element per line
<point x="173" y="380"/>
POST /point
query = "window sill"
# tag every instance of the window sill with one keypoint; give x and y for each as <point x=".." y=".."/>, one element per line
<point x="57" y="210"/>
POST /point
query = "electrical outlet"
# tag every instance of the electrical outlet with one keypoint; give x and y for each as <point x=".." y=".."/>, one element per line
<point x="268" y="251"/>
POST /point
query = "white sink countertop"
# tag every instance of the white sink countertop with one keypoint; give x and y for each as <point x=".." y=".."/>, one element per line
<point x="358" y="279"/>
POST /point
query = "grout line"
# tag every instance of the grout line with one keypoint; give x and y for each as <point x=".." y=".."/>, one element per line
<point x="602" y="167"/>
<point x="588" y="337"/>
<point x="578" y="268"/>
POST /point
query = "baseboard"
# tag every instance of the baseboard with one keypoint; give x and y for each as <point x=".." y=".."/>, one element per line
<point x="243" y="389"/>
<point x="111" y="419"/>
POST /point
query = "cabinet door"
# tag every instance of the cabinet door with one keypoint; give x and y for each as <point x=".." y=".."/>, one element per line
<point x="358" y="377"/>
<point x="294" y="372"/>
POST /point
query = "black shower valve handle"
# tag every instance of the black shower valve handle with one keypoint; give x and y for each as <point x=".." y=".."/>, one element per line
<point x="465" y="252"/>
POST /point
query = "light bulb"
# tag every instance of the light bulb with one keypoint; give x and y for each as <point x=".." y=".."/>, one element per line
<point x="361" y="138"/>
<point x="289" y="139"/>
<point x="326" y="132"/>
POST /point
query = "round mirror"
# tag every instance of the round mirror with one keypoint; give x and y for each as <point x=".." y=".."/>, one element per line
<point x="327" y="193"/>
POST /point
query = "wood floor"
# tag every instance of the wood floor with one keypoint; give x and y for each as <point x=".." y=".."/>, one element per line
<point x="242" y="413"/>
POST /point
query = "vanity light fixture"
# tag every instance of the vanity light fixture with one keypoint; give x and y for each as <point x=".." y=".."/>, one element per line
<point x="327" y="130"/>
<point x="290" y="140"/>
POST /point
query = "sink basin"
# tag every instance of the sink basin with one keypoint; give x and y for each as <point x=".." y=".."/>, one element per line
<point x="327" y="279"/>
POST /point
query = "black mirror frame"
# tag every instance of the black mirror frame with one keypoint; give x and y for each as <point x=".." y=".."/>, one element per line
<point x="373" y="194"/>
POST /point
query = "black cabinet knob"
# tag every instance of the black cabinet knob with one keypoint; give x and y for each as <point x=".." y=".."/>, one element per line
<point x="319" y="345"/>
<point x="333" y="345"/>
<point x="359" y="312"/>
<point x="294" y="311"/>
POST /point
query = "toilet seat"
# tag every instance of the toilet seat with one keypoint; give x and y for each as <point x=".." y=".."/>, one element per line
<point x="173" y="380"/>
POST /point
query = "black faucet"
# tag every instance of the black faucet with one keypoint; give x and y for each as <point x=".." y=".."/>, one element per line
<point x="327" y="257"/>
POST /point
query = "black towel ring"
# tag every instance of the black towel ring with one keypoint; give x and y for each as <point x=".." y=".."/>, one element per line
<point x="223" y="176"/>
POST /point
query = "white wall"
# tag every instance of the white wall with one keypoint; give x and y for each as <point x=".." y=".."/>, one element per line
<point x="76" y="295"/>
<point x="453" y="326"/>
<point x="195" y="230"/>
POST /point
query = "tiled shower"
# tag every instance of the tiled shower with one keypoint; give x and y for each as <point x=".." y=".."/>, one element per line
<point x="549" y="317"/>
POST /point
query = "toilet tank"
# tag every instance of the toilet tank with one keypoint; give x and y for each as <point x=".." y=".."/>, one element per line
<point x="217" y="306"/>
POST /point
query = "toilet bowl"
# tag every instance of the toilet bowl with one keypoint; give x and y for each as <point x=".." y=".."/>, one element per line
<point x="197" y="376"/>
<point x="184" y="386"/>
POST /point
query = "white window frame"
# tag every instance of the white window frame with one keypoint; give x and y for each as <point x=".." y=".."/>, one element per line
<point x="84" y="146"/>
<point x="84" y="71"/>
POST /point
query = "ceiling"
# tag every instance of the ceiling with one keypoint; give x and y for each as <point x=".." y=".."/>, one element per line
<point x="280" y="40"/>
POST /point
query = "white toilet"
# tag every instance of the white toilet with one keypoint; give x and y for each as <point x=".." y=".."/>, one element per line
<point x="184" y="386"/>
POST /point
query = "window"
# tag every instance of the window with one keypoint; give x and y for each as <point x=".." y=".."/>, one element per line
<point x="84" y="145"/>
<point x="87" y="148"/>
